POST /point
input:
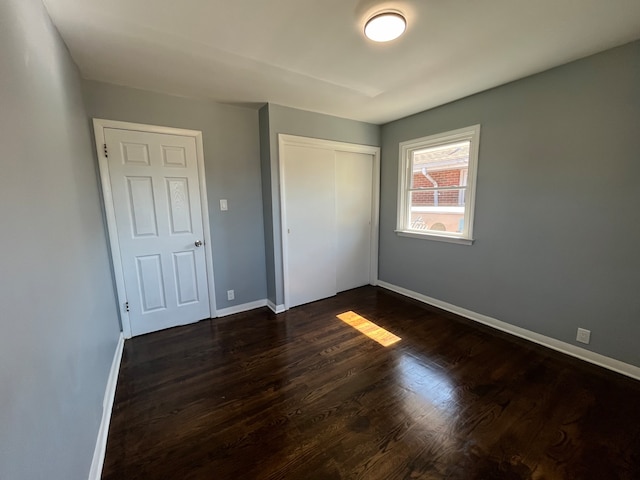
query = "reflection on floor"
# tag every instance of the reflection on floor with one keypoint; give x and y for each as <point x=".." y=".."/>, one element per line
<point x="302" y="395"/>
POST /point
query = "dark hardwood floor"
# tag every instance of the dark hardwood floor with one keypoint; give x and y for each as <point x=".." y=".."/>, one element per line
<point x="302" y="395"/>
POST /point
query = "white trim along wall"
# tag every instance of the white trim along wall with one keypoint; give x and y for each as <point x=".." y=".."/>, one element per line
<point x="563" y="347"/>
<point x="107" y="406"/>
<point x="244" y="307"/>
<point x="275" y="308"/>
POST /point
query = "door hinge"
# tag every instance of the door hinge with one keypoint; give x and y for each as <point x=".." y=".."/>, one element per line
<point x="126" y="306"/>
<point x="106" y="152"/>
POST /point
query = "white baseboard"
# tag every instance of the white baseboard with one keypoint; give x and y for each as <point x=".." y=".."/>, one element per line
<point x="563" y="347"/>
<point x="275" y="308"/>
<point x="241" y="308"/>
<point x="107" y="405"/>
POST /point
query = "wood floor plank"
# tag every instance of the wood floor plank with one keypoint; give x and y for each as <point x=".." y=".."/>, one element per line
<point x="302" y="395"/>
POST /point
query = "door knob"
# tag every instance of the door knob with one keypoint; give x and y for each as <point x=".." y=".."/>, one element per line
<point x="198" y="243"/>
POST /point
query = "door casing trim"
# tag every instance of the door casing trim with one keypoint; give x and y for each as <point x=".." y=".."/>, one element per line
<point x="99" y="125"/>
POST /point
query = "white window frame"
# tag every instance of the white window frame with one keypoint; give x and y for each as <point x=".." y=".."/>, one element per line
<point x="407" y="149"/>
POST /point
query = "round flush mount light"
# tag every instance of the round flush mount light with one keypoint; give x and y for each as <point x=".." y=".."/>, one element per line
<point x="385" y="26"/>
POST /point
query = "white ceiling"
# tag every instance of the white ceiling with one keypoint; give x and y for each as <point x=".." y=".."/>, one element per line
<point x="311" y="54"/>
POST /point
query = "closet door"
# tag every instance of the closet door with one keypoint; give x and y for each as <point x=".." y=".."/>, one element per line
<point x="310" y="209"/>
<point x="354" y="185"/>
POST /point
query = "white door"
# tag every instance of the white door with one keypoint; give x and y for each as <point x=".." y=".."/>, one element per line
<point x="156" y="197"/>
<point x="354" y="192"/>
<point x="309" y="193"/>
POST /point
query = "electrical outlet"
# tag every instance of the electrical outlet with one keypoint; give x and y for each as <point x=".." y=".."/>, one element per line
<point x="230" y="295"/>
<point x="584" y="336"/>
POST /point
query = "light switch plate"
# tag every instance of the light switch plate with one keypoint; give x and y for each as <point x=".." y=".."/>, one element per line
<point x="223" y="205"/>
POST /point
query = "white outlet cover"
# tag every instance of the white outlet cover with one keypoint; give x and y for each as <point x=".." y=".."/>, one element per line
<point x="231" y="295"/>
<point x="584" y="335"/>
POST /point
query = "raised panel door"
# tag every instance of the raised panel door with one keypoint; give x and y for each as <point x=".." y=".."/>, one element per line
<point x="156" y="197"/>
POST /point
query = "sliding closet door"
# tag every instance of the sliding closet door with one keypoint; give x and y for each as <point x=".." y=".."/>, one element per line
<point x="354" y="184"/>
<point x="310" y="206"/>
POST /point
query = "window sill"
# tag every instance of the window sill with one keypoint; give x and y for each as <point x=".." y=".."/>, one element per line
<point x="437" y="238"/>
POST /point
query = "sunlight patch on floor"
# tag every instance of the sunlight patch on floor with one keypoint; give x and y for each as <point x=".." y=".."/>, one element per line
<point x="370" y="329"/>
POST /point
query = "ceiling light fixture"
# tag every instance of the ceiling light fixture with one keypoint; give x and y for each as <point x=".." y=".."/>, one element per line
<point x="385" y="26"/>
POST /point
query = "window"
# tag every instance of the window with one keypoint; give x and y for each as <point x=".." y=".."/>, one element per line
<point x="436" y="188"/>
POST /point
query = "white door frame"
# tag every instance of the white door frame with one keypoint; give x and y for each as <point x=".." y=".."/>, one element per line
<point x="294" y="140"/>
<point x="98" y="127"/>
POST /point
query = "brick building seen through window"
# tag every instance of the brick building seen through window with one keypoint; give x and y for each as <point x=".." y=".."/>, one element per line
<point x="443" y="172"/>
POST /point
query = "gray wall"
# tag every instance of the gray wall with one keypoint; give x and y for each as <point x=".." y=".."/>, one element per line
<point x="276" y="119"/>
<point x="59" y="318"/>
<point x="556" y="226"/>
<point x="267" y="207"/>
<point x="232" y="165"/>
